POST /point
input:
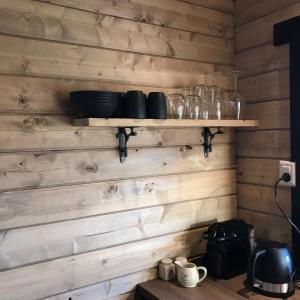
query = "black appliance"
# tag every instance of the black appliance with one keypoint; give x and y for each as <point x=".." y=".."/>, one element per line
<point x="228" y="248"/>
<point x="271" y="270"/>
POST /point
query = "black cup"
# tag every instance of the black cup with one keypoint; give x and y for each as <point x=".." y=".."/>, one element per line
<point x="134" y="105"/>
<point x="156" y="106"/>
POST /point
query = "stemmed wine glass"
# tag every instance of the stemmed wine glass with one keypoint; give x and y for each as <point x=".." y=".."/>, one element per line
<point x="236" y="102"/>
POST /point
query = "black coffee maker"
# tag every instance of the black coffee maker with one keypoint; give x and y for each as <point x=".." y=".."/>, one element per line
<point x="228" y="248"/>
<point x="271" y="270"/>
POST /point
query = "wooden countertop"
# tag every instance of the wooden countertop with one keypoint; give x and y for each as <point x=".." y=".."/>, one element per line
<point x="209" y="289"/>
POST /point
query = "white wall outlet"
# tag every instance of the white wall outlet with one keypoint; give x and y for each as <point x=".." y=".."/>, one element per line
<point x="290" y="168"/>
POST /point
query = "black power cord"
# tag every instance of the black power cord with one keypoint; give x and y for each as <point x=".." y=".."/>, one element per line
<point x="286" y="178"/>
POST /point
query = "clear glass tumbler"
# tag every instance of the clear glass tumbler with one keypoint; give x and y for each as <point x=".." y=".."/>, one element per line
<point x="176" y="106"/>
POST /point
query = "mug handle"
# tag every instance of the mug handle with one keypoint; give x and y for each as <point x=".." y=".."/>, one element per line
<point x="204" y="275"/>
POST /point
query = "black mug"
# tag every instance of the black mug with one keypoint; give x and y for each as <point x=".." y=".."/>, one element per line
<point x="134" y="105"/>
<point x="156" y="106"/>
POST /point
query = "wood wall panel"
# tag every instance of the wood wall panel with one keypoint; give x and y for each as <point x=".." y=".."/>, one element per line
<point x="258" y="171"/>
<point x="266" y="89"/>
<point x="44" y="169"/>
<point x="73" y="272"/>
<point x="115" y="287"/>
<point x="39" y="20"/>
<point x="262" y="59"/>
<point x="83" y="235"/>
<point x="249" y="10"/>
<point x="247" y="35"/>
<point x="51" y="96"/>
<point x="274" y="228"/>
<point x="41" y="58"/>
<point x="264" y="144"/>
<point x="267" y="86"/>
<point x="222" y="5"/>
<point x="167" y="13"/>
<point x="28" y="207"/>
<point x="75" y="223"/>
<point x="271" y="114"/>
<point x="262" y="198"/>
<point x="31" y="132"/>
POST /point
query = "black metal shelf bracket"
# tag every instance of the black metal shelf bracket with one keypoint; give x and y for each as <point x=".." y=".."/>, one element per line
<point x="124" y="137"/>
<point x="208" y="136"/>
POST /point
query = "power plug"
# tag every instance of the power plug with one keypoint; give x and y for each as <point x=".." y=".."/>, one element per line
<point x="287" y="167"/>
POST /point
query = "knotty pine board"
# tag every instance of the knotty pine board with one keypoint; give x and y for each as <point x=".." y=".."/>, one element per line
<point x="117" y="287"/>
<point x="262" y="198"/>
<point x="41" y="58"/>
<point x="37" y="206"/>
<point x="51" y="241"/>
<point x="60" y="275"/>
<point x="167" y="13"/>
<point x="51" y="96"/>
<point x="34" y="132"/>
<point x="44" y="21"/>
<point x="44" y="169"/>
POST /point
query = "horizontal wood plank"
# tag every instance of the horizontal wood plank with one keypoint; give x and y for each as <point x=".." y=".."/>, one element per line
<point x="271" y="115"/>
<point x="167" y="13"/>
<point x="28" y="207"/>
<point x="45" y="95"/>
<point x="261" y="199"/>
<point x="41" y="169"/>
<point x="57" y="276"/>
<point x="223" y="5"/>
<point x="115" y="287"/>
<point x="268" y="227"/>
<point x="247" y="35"/>
<point x="30" y="132"/>
<point x="40" y="20"/>
<point x="250" y="10"/>
<point x="99" y="122"/>
<point x="263" y="59"/>
<point x="258" y="171"/>
<point x="268" y="86"/>
<point x="83" y="235"/>
<point x="42" y="58"/>
<point x="269" y="144"/>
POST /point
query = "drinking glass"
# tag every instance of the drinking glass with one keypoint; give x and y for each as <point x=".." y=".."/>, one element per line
<point x="216" y="98"/>
<point x="203" y="92"/>
<point x="175" y="106"/>
<point x="192" y="107"/>
<point x="236" y="102"/>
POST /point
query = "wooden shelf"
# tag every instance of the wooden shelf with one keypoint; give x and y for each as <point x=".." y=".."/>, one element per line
<point x="97" y="122"/>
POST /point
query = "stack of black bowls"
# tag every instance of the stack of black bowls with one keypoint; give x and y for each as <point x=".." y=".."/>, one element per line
<point x="95" y="104"/>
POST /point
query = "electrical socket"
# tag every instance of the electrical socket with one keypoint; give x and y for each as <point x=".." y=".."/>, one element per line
<point x="290" y="168"/>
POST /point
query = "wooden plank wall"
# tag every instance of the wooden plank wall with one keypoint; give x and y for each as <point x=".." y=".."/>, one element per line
<point x="266" y="88"/>
<point x="74" y="222"/>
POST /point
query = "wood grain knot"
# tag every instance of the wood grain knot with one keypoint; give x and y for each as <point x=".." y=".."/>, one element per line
<point x="93" y="168"/>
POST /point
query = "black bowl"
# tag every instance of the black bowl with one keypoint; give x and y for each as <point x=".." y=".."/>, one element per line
<point x="93" y="109"/>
